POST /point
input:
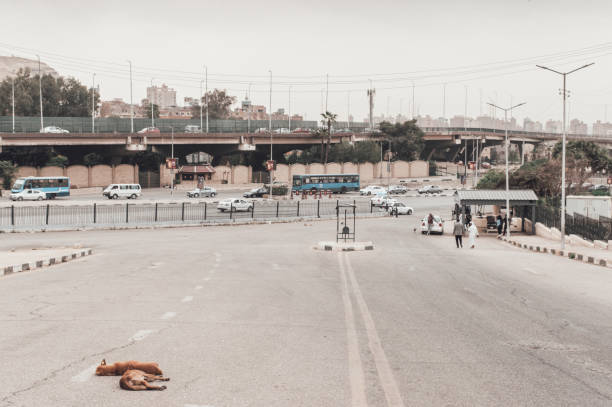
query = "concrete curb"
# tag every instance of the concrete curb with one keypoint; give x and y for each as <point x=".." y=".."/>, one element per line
<point x="50" y="261"/>
<point x="556" y="252"/>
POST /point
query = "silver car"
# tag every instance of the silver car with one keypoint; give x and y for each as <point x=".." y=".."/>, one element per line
<point x="201" y="192"/>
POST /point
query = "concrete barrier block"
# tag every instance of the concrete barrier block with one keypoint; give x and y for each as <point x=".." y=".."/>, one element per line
<point x="590" y="259"/>
<point x="545" y="249"/>
<point x="553" y="251"/>
<point x="531" y="248"/>
<point x="8" y="270"/>
<point x="561" y="253"/>
<point x="25" y="267"/>
<point x="74" y="255"/>
<point x="64" y="259"/>
<point x="579" y="257"/>
<point x="602" y="262"/>
<point x="601" y="244"/>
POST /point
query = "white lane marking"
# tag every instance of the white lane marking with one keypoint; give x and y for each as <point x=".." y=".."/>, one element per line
<point x="275" y="266"/>
<point x="532" y="271"/>
<point x="168" y="315"/>
<point x="387" y="380"/>
<point x="198" y="405"/>
<point x="187" y="298"/>
<point x="85" y="375"/>
<point x="140" y="335"/>
<point x="206" y="278"/>
<point x="356" y="375"/>
<point x="198" y="287"/>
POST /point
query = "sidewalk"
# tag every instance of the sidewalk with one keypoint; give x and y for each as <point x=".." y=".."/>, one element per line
<point x="578" y="252"/>
<point x="13" y="261"/>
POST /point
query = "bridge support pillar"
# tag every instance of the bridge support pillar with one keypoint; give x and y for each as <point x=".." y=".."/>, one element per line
<point x="454" y="151"/>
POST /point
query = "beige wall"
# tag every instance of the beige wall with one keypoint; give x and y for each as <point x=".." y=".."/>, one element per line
<point x="350" y="168"/>
<point x="282" y="173"/>
<point x="419" y="169"/>
<point x="316" y="168"/>
<point x="366" y="171"/>
<point x="333" y="168"/>
<point x="220" y="170"/>
<point x="51" y="172"/>
<point x="298" y="169"/>
<point x="400" y="169"/>
<point x="79" y="176"/>
<point x="26" y="172"/>
<point x="124" y="174"/>
<point x="101" y="175"/>
<point x="240" y="174"/>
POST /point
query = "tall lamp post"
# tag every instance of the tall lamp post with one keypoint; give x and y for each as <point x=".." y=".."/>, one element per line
<point x="153" y="92"/>
<point x="201" y="105"/>
<point x="13" y="99"/>
<point x="563" y="186"/>
<point x="131" y="102"/>
<point x="42" y="125"/>
<point x="206" y="94"/>
<point x="93" y="103"/>
<point x="507" y="166"/>
<point x="270" y="130"/>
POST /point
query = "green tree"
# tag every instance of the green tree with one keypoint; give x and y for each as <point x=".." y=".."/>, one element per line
<point x="148" y="160"/>
<point x="219" y="103"/>
<point x="33" y="157"/>
<point x="493" y="179"/>
<point x="406" y="139"/>
<point x="329" y="119"/>
<point x="7" y="173"/>
<point x="61" y="97"/>
<point x="92" y="159"/>
<point x="596" y="157"/>
<point x="147" y="111"/>
<point x="58" y="161"/>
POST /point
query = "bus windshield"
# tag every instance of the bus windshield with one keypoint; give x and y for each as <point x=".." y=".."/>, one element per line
<point x="18" y="185"/>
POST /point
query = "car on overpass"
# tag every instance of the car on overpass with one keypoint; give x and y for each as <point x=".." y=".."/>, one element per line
<point x="235" y="205"/>
<point x="149" y="130"/>
<point x="190" y="128"/>
<point x="262" y="130"/>
<point x="204" y="191"/>
<point x="282" y="130"/>
<point x="300" y="130"/>
<point x="53" y="130"/>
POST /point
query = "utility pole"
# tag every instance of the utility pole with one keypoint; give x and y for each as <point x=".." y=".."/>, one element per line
<point x="42" y="125"/>
<point x="153" y="93"/>
<point x="201" y="107"/>
<point x="413" y="105"/>
<point x="563" y="183"/>
<point x="206" y="95"/>
<point x="465" y="109"/>
<point x="289" y="113"/>
<point x="249" y="110"/>
<point x="444" y="103"/>
<point x="270" y="130"/>
<point x="131" y="102"/>
<point x="93" y="103"/>
<point x="371" y="93"/>
<point x="348" y="110"/>
<point x="326" y="91"/>
<point x="507" y="144"/>
<point x="13" y="100"/>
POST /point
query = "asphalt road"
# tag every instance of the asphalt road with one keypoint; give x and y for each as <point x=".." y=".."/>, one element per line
<point x="253" y="316"/>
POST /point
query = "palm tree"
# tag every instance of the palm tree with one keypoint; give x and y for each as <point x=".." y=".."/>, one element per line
<point x="330" y="119"/>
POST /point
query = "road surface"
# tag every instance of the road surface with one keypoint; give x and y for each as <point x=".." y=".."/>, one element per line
<point x="253" y="316"/>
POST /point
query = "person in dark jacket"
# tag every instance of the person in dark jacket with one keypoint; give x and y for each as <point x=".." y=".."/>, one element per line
<point x="499" y="224"/>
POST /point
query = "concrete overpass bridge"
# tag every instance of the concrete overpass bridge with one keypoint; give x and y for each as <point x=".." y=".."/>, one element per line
<point x="439" y="141"/>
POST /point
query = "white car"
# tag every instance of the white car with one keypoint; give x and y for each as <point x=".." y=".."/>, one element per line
<point x="28" y="195"/>
<point x="281" y="131"/>
<point x="54" y="129"/>
<point x="372" y="190"/>
<point x="262" y="130"/>
<point x="397" y="189"/>
<point x="402" y="209"/>
<point x="116" y="191"/>
<point x="430" y="189"/>
<point x="235" y="205"/>
<point x="382" y="200"/>
<point x="204" y="191"/>
<point x="437" y="227"/>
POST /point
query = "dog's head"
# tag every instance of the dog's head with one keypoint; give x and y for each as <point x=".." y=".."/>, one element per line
<point x="103" y="369"/>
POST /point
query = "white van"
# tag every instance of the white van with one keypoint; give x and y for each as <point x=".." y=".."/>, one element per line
<point x="116" y="191"/>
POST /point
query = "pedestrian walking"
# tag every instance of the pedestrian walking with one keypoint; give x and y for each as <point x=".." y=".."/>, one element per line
<point x="498" y="223"/>
<point x="430" y="220"/>
<point x="473" y="233"/>
<point x="505" y="222"/>
<point x="458" y="231"/>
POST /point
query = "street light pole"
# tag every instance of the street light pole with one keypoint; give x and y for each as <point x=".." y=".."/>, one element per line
<point x="206" y="94"/>
<point x="131" y="102"/>
<point x="289" y="114"/>
<point x="270" y="130"/>
<point x="249" y="110"/>
<point x="563" y="186"/>
<point x="13" y="99"/>
<point x="42" y="125"/>
<point x="93" y="103"/>
<point x="201" y="103"/>
<point x="152" y="104"/>
<point x="507" y="166"/>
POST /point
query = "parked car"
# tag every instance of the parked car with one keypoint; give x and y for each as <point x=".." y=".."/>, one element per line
<point x="204" y="191"/>
<point x="282" y="130"/>
<point x="368" y="130"/>
<point x="262" y="130"/>
<point x="53" y="129"/>
<point x="342" y="131"/>
<point x="599" y="187"/>
<point x="485" y="165"/>
<point x="28" y="195"/>
<point x="235" y="205"/>
<point x="372" y="190"/>
<point x="397" y="189"/>
<point x="402" y="209"/>
<point x="192" y="129"/>
<point x="437" y="227"/>
<point x="382" y="200"/>
<point x="256" y="192"/>
<point x="301" y="131"/>
<point x="116" y="191"/>
<point x="148" y="130"/>
<point x="430" y="189"/>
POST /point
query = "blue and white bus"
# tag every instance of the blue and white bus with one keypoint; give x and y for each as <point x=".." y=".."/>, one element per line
<point x="319" y="182"/>
<point x="52" y="186"/>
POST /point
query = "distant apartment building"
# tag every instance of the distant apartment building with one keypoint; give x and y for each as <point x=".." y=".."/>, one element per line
<point x="176" y="112"/>
<point x="162" y="96"/>
<point x="428" y="121"/>
<point x="530" y="125"/>
<point x="248" y="110"/>
<point x="578" y="127"/>
<point x="602" y="129"/>
<point x="118" y="108"/>
<point x="553" y="126"/>
<point x="189" y="101"/>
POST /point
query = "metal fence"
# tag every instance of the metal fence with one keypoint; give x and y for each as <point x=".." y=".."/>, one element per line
<point x="39" y="217"/>
<point x="121" y="125"/>
<point x="576" y="224"/>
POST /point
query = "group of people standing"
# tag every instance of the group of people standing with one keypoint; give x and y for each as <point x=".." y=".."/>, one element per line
<point x="502" y="224"/>
<point x="459" y="229"/>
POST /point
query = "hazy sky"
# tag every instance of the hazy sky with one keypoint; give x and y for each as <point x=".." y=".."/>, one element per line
<point x="391" y="42"/>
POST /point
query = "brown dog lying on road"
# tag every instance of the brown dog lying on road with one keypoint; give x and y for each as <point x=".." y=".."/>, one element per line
<point x="139" y="380"/>
<point x="135" y="375"/>
<point x="119" y="368"/>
